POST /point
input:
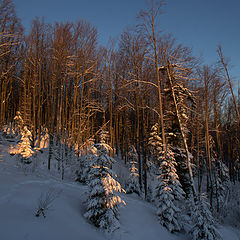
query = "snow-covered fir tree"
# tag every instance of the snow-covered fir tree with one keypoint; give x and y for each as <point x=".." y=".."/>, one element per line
<point x="203" y="222"/>
<point x="182" y="169"/>
<point x="103" y="202"/>
<point x="103" y="141"/>
<point x="9" y="131"/>
<point x="19" y="124"/>
<point x="221" y="182"/>
<point x="133" y="180"/>
<point x="155" y="143"/>
<point x="24" y="146"/>
<point x="168" y="192"/>
<point x="85" y="161"/>
<point x="179" y="99"/>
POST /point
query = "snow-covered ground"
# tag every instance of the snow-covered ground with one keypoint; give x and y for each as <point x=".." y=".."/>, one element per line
<point x="19" y="194"/>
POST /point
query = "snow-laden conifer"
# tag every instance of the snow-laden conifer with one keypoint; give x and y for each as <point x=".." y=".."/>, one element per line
<point x="168" y="192"/>
<point x="155" y="143"/>
<point x="179" y="100"/>
<point x="85" y="161"/>
<point x="24" y="146"/>
<point x="221" y="183"/>
<point x="19" y="124"/>
<point x="203" y="222"/>
<point x="104" y="137"/>
<point x="103" y="202"/>
<point x="133" y="180"/>
<point x="9" y="130"/>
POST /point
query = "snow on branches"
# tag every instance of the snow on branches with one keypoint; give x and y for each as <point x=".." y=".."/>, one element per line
<point x="24" y="148"/>
<point x="204" y="227"/>
<point x="168" y="192"/>
<point x="103" y="202"/>
<point x="133" y="182"/>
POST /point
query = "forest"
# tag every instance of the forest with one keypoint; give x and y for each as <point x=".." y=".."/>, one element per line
<point x="144" y="100"/>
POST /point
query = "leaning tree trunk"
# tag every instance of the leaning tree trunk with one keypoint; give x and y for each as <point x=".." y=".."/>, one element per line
<point x="184" y="138"/>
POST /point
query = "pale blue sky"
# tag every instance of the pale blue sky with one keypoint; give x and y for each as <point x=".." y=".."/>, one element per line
<point x="200" y="24"/>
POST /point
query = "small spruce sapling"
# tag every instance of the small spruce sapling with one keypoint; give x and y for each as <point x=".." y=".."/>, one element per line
<point x="155" y="144"/>
<point x="221" y="184"/>
<point x="18" y="122"/>
<point x="133" y="183"/>
<point x="85" y="162"/>
<point x="24" y="146"/>
<point x="203" y="222"/>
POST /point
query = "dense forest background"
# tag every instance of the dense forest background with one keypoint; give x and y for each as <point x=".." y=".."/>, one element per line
<point x="60" y="80"/>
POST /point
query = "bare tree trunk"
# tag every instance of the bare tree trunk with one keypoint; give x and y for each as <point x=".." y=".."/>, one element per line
<point x="184" y="138"/>
<point x="50" y="149"/>
<point x="207" y="139"/>
<point x="220" y="54"/>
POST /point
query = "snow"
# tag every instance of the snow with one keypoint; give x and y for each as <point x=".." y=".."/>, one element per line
<point x="20" y="191"/>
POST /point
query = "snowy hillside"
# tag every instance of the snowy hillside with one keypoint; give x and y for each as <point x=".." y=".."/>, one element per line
<point x="135" y="139"/>
<point x="20" y="192"/>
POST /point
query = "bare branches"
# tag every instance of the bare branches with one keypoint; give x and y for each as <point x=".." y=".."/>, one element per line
<point x="46" y="200"/>
<point x="223" y="62"/>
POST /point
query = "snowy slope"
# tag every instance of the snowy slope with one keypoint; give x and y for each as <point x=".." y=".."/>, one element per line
<point x="19" y="193"/>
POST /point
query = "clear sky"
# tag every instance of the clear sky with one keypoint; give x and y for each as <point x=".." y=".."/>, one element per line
<point x="199" y="24"/>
